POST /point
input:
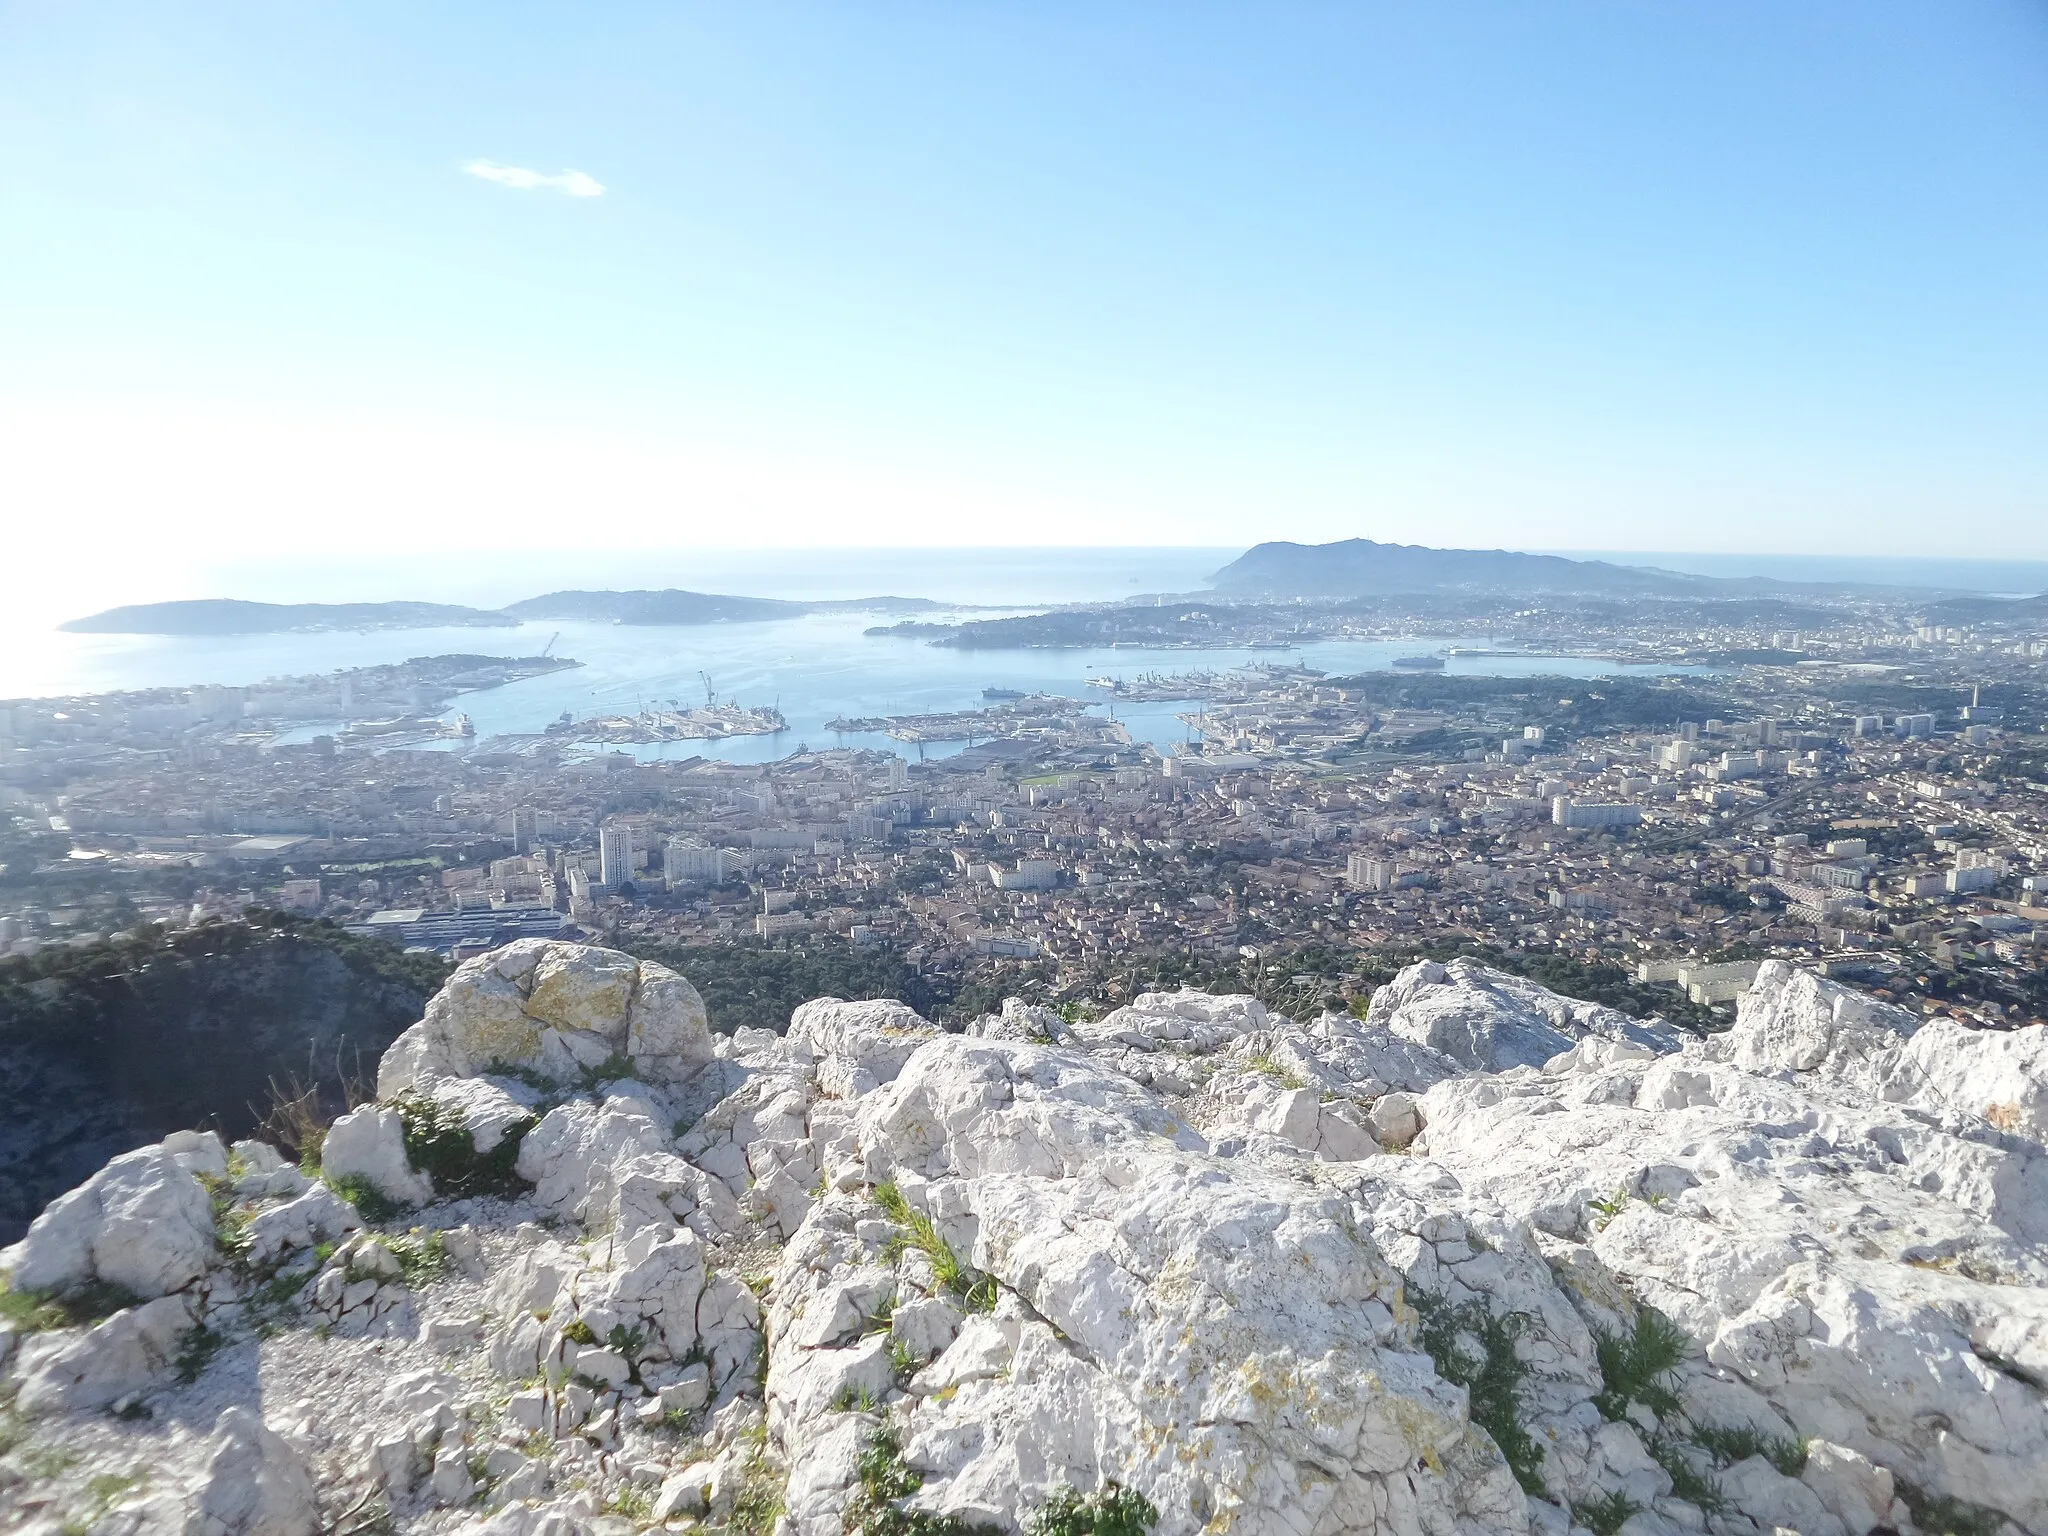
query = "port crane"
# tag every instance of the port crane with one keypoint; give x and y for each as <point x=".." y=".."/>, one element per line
<point x="710" y="698"/>
<point x="550" y="645"/>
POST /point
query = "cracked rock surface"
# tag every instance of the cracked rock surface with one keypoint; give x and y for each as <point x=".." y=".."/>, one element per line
<point x="1484" y="1260"/>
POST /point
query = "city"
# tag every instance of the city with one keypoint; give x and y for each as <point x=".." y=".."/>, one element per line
<point x="1865" y="794"/>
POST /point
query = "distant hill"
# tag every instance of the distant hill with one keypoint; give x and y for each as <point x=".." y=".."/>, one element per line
<point x="667" y="607"/>
<point x="674" y="606"/>
<point x="1978" y="610"/>
<point x="230" y="616"/>
<point x="1363" y="568"/>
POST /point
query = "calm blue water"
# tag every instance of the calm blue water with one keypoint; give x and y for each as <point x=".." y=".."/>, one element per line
<point x="818" y="668"/>
<point x="815" y="668"/>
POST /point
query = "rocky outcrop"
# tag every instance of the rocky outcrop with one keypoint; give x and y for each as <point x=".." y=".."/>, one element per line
<point x="561" y="1012"/>
<point x="1485" y="1260"/>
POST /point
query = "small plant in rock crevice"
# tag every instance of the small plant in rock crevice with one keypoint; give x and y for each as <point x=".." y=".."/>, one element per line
<point x="80" y="1306"/>
<point x="1633" y="1365"/>
<point x="904" y="1360"/>
<point x="1115" y="1511"/>
<point x="1689" y="1481"/>
<point x="1607" y="1207"/>
<point x="1740" y="1442"/>
<point x="883" y="1480"/>
<point x="1937" y="1514"/>
<point x="374" y="1207"/>
<point x="921" y="1233"/>
<point x="615" y="1068"/>
<point x="422" y="1256"/>
<point x="1492" y="1382"/>
<point x="439" y="1145"/>
<point x="759" y="1503"/>
<point x="1279" y="1071"/>
<point x="1606" y="1515"/>
<point x="197" y="1346"/>
<point x="632" y="1502"/>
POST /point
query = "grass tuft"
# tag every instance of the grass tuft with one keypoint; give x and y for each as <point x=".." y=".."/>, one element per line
<point x="976" y="1292"/>
<point x="1634" y="1364"/>
<point x="79" y="1307"/>
<point x="1728" y="1446"/>
<point x="1606" y="1515"/>
<point x="1689" y="1481"/>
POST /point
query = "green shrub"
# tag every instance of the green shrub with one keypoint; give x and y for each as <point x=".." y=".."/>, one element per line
<point x="1492" y="1383"/>
<point x="441" y="1146"/>
<point x="884" y="1481"/>
<point x="1113" y="1512"/>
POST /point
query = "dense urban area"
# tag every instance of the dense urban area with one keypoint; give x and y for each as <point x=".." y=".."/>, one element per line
<point x="1855" y="780"/>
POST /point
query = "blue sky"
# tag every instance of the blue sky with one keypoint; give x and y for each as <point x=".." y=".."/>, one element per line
<point x="1740" y="276"/>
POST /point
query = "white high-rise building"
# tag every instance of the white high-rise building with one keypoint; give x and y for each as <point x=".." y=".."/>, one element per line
<point x="687" y="864"/>
<point x="1579" y="813"/>
<point x="899" y="773"/>
<point x="615" y="856"/>
<point x="1369" y="872"/>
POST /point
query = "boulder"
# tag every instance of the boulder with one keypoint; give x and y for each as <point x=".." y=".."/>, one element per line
<point x="254" y="1483"/>
<point x="143" y="1224"/>
<point x="1489" y="1020"/>
<point x="854" y="1048"/>
<point x="78" y="1369"/>
<point x="369" y="1144"/>
<point x="559" y="1011"/>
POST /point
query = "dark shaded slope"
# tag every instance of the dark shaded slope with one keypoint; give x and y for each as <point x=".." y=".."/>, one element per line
<point x="109" y="1046"/>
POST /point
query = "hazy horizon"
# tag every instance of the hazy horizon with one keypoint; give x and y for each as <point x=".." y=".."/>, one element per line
<point x="294" y="286"/>
<point x="987" y="576"/>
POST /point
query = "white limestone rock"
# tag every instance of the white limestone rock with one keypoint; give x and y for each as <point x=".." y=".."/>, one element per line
<point x="1790" y="1020"/>
<point x="1489" y="1020"/>
<point x="143" y="1224"/>
<point x="78" y="1369"/>
<point x="254" y="1483"/>
<point x="555" y="1009"/>
<point x="319" y="1215"/>
<point x="369" y="1144"/>
<point x="1160" y="1249"/>
<point x="1226" y="1342"/>
<point x="1793" y="1021"/>
<point x="853" y="1048"/>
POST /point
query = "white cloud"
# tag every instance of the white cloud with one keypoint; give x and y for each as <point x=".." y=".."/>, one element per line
<point x="571" y="183"/>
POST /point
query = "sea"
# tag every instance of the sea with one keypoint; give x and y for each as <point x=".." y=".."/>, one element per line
<point x="814" y="668"/>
